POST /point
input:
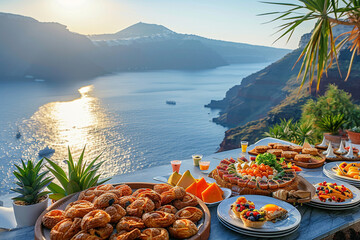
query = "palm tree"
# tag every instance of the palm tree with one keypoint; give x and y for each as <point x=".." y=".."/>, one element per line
<point x="321" y="51"/>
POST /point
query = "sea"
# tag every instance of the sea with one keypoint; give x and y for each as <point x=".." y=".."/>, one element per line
<point x="124" y="116"/>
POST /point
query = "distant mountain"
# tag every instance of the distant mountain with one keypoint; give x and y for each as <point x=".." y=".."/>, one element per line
<point x="151" y="33"/>
<point x="43" y="50"/>
<point x="50" y="51"/>
<point x="138" y="30"/>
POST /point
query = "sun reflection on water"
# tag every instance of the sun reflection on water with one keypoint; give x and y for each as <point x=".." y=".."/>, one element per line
<point x="82" y="121"/>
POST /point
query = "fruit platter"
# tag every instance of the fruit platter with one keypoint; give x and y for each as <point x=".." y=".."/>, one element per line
<point x="266" y="175"/>
<point x="333" y="194"/>
<point x="210" y="193"/>
<point x="259" y="216"/>
<point x="126" y="211"/>
<point x="303" y="156"/>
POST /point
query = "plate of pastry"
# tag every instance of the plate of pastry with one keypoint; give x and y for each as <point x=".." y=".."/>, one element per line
<point x="262" y="215"/>
<point x="126" y="211"/>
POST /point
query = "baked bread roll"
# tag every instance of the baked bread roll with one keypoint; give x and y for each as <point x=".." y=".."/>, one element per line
<point x="183" y="228"/>
<point x="140" y="190"/>
<point x="154" y="234"/>
<point x="101" y="232"/>
<point x="140" y="206"/>
<point x="65" y="229"/>
<point x="288" y="154"/>
<point x="172" y="194"/>
<point x="126" y="201"/>
<point x="154" y="196"/>
<point x="261" y="149"/>
<point x="282" y="146"/>
<point x="124" y="235"/>
<point x="160" y="188"/>
<point x="303" y="157"/>
<point x="84" y="235"/>
<point x="116" y="212"/>
<point x="78" y="209"/>
<point x="312" y="151"/>
<point x="158" y="219"/>
<point x="50" y="219"/>
<point x="168" y="209"/>
<point x="191" y="213"/>
<point x="95" y="219"/>
<point x="129" y="224"/>
<point x="276" y="152"/>
<point x="105" y="200"/>
<point x="297" y="149"/>
<point x="188" y="200"/>
<point x="88" y="195"/>
<point x="125" y="189"/>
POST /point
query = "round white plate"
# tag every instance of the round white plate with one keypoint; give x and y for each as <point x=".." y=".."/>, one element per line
<point x="255" y="230"/>
<point x="329" y="168"/>
<point x="253" y="234"/>
<point x="293" y="219"/>
<point x="226" y="195"/>
<point x="333" y="176"/>
<point x="354" y="190"/>
<point x="334" y="208"/>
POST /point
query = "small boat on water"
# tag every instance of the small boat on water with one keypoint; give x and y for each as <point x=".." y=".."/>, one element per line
<point x="18" y="135"/>
<point x="171" y="102"/>
<point x="46" y="152"/>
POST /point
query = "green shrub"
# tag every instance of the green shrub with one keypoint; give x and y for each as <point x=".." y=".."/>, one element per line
<point x="31" y="182"/>
<point x="80" y="176"/>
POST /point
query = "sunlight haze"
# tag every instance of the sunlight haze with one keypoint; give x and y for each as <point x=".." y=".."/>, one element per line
<point x="230" y="20"/>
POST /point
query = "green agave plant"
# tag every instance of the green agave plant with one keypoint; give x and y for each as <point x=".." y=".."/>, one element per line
<point x="331" y="123"/>
<point x="79" y="177"/>
<point x="31" y="182"/>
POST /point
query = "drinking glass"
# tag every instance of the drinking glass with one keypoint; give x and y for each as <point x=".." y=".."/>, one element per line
<point x="196" y="158"/>
<point x="244" y="145"/>
<point x="176" y="165"/>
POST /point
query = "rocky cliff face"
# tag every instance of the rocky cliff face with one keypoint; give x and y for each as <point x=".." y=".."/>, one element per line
<point x="271" y="94"/>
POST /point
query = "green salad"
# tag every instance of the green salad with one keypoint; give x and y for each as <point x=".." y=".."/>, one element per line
<point x="269" y="159"/>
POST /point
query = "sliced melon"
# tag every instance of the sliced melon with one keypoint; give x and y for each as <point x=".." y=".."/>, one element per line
<point x="212" y="194"/>
<point x="186" y="180"/>
<point x="174" y="178"/>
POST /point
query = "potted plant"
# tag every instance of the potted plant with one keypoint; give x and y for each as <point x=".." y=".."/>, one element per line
<point x="330" y="124"/>
<point x="354" y="135"/>
<point x="32" y="200"/>
<point x="79" y="177"/>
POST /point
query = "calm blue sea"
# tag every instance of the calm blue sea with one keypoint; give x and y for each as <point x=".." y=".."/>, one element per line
<point x="124" y="115"/>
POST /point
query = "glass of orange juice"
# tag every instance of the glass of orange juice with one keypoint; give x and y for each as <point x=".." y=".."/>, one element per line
<point x="204" y="165"/>
<point x="175" y="164"/>
<point x="244" y="145"/>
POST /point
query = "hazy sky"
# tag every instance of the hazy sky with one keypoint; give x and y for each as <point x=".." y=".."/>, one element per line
<point x="231" y="20"/>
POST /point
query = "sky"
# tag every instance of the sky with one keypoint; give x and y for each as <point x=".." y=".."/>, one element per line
<point x="230" y="20"/>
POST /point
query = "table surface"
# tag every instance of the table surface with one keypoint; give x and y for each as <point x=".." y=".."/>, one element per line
<point x="315" y="223"/>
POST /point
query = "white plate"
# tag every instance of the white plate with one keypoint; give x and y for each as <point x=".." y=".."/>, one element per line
<point x="333" y="176"/>
<point x="255" y="230"/>
<point x="226" y="195"/>
<point x="293" y="219"/>
<point x="253" y="234"/>
<point x="354" y="190"/>
<point x="333" y="208"/>
<point x="329" y="166"/>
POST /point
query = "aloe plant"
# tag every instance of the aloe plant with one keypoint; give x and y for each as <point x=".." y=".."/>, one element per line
<point x="31" y="182"/>
<point x="331" y="123"/>
<point x="79" y="177"/>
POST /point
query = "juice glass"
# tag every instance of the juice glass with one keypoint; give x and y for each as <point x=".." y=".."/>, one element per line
<point x="175" y="164"/>
<point x="196" y="158"/>
<point x="204" y="165"/>
<point x="244" y="145"/>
